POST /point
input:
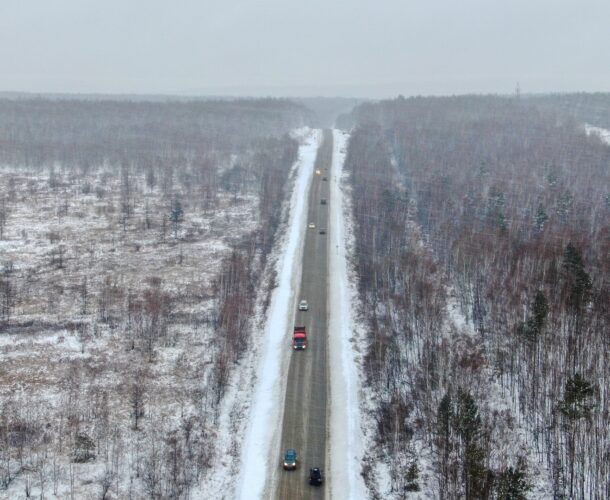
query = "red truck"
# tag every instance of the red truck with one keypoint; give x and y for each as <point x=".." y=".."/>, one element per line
<point x="299" y="338"/>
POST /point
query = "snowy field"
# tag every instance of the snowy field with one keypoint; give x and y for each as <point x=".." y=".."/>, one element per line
<point x="84" y="279"/>
<point x="604" y="134"/>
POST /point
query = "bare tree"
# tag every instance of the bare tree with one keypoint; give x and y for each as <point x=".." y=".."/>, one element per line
<point x="3" y="215"/>
<point x="137" y="397"/>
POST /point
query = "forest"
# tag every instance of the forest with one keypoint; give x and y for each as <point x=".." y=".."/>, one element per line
<point x="134" y="240"/>
<point x="592" y="108"/>
<point x="132" y="237"/>
<point x="482" y="255"/>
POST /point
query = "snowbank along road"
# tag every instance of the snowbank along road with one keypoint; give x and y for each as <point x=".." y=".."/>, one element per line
<point x="345" y="443"/>
<point x="260" y="458"/>
<point x="308" y="400"/>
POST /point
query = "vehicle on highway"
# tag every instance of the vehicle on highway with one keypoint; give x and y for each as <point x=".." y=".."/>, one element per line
<point x="322" y="231"/>
<point x="290" y="459"/>
<point x="316" y="478"/>
<point x="303" y="305"/>
<point x="324" y="179"/>
<point x="299" y="338"/>
<point x="318" y="172"/>
<point x="323" y="201"/>
<point x="311" y="225"/>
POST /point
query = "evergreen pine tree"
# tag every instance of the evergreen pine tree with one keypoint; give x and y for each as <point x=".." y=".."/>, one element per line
<point x="576" y="403"/>
<point x="535" y="322"/>
<point x="468" y="421"/>
<point x="541" y="217"/>
<point x="496" y="203"/>
<point x="444" y="418"/>
<point x="175" y="215"/>
<point x="469" y="428"/>
<point x="511" y="484"/>
<point x="412" y="477"/>
<point x="577" y="280"/>
<point x="443" y="441"/>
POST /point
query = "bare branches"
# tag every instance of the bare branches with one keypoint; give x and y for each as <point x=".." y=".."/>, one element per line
<point x="480" y="249"/>
<point x="120" y="219"/>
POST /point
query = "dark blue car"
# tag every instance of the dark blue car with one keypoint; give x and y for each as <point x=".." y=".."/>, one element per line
<point x="290" y="459"/>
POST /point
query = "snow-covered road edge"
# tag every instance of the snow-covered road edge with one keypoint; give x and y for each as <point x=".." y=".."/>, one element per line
<point x="345" y="449"/>
<point x="261" y="438"/>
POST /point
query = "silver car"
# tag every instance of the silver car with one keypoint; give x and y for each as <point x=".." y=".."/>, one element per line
<point x="303" y="305"/>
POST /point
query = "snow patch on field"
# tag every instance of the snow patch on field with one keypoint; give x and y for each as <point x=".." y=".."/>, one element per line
<point x="346" y="439"/>
<point x="604" y="134"/>
<point x="258" y="455"/>
<point x="57" y="334"/>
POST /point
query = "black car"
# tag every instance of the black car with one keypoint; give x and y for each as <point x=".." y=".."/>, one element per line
<point x="323" y="201"/>
<point x="315" y="477"/>
<point x="322" y="231"/>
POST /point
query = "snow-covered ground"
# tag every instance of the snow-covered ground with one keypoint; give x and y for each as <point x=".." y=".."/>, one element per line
<point x="603" y="133"/>
<point x="345" y="434"/>
<point x="69" y="260"/>
<point x="267" y="402"/>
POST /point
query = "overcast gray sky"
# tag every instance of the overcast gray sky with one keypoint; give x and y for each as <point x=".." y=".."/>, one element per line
<point x="368" y="48"/>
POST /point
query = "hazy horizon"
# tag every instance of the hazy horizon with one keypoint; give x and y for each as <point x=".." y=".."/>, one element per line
<point x="273" y="48"/>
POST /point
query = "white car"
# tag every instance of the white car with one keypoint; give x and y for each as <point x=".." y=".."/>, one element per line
<point x="311" y="225"/>
<point x="303" y="305"/>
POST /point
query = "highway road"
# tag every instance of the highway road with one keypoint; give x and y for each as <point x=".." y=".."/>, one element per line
<point x="304" y="426"/>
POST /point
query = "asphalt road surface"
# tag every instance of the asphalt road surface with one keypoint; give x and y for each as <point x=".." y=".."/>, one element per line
<point x="304" y="424"/>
